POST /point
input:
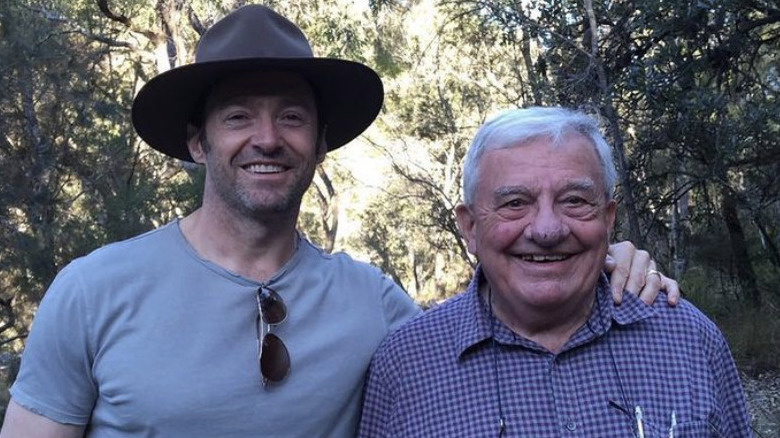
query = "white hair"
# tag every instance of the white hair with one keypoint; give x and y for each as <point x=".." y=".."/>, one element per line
<point x="517" y="126"/>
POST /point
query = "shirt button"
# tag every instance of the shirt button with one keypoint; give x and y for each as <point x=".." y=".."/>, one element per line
<point x="572" y="426"/>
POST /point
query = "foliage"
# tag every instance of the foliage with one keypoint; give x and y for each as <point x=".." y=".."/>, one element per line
<point x="74" y="175"/>
<point x="753" y="334"/>
<point x="687" y="92"/>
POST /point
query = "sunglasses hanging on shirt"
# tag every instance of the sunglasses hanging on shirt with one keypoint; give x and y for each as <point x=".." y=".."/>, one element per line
<point x="272" y="354"/>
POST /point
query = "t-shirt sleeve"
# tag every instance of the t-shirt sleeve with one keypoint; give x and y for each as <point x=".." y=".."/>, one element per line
<point x="55" y="378"/>
<point x="398" y="306"/>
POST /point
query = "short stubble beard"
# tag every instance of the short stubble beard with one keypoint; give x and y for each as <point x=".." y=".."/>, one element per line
<point x="242" y="202"/>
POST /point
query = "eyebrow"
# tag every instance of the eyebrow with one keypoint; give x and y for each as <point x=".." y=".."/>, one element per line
<point x="504" y="191"/>
<point x="581" y="185"/>
<point x="511" y="190"/>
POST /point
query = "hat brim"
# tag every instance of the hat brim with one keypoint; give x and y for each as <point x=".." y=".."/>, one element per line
<point x="349" y="95"/>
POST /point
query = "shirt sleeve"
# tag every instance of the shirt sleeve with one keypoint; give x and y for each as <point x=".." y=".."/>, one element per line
<point x="379" y="402"/>
<point x="55" y="378"/>
<point x="734" y="420"/>
<point x="379" y="412"/>
<point x="397" y="305"/>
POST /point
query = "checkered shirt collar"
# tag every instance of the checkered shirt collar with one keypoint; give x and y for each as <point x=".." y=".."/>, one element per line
<point x="475" y="320"/>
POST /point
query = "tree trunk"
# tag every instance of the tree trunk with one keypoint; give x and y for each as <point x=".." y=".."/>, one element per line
<point x="608" y="108"/>
<point x="739" y="249"/>
<point x="769" y="244"/>
<point x="40" y="211"/>
<point x="328" y="200"/>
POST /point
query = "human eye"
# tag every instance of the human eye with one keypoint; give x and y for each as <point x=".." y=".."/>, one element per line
<point x="513" y="208"/>
<point x="235" y="116"/>
<point x="575" y="201"/>
<point x="515" y="203"/>
<point x="579" y="205"/>
<point x="293" y="118"/>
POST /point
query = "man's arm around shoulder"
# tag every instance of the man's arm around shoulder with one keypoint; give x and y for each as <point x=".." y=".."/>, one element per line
<point x="22" y="423"/>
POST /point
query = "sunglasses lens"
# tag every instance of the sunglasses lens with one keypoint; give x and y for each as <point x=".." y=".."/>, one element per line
<point x="274" y="311"/>
<point x="274" y="359"/>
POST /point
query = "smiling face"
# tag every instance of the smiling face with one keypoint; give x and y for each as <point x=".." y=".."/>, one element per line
<point x="539" y="224"/>
<point x="259" y="145"/>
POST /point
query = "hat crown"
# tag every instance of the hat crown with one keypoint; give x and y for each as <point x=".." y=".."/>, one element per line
<point x="252" y="31"/>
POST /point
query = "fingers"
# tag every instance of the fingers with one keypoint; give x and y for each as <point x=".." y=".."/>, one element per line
<point x="652" y="284"/>
<point x="618" y="264"/>
<point x="633" y="270"/>
<point x="637" y="276"/>
<point x="630" y="267"/>
<point x="672" y="290"/>
<point x="609" y="264"/>
<point x="657" y="282"/>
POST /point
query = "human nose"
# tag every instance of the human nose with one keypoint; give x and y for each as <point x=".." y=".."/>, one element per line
<point x="547" y="226"/>
<point x="265" y="134"/>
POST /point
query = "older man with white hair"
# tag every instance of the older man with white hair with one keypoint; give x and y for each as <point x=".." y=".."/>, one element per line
<point x="535" y="347"/>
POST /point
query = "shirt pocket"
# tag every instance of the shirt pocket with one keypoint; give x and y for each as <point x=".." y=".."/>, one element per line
<point x="686" y="429"/>
<point x="697" y="429"/>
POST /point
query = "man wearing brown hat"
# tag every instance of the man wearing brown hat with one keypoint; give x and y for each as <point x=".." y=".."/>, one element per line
<point x="226" y="323"/>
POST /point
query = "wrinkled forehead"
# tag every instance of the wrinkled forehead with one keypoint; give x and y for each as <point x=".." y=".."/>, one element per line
<point x="569" y="155"/>
<point x="284" y="85"/>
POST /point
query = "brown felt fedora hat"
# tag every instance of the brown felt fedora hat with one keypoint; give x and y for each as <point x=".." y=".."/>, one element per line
<point x="255" y="38"/>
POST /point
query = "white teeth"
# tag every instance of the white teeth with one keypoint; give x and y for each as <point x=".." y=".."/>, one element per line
<point x="544" y="258"/>
<point x="264" y="168"/>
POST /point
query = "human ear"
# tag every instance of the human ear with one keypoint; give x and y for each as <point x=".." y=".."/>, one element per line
<point x="322" y="145"/>
<point x="467" y="224"/>
<point x="194" y="144"/>
<point x="611" y="209"/>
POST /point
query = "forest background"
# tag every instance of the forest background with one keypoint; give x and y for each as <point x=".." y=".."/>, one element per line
<point x="687" y="92"/>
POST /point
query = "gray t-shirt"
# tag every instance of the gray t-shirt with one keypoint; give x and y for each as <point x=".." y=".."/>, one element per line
<point x="142" y="338"/>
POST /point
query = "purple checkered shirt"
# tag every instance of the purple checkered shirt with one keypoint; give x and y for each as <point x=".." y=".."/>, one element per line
<point x="441" y="375"/>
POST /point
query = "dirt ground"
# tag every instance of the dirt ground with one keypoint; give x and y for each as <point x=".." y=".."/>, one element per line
<point x="763" y="397"/>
